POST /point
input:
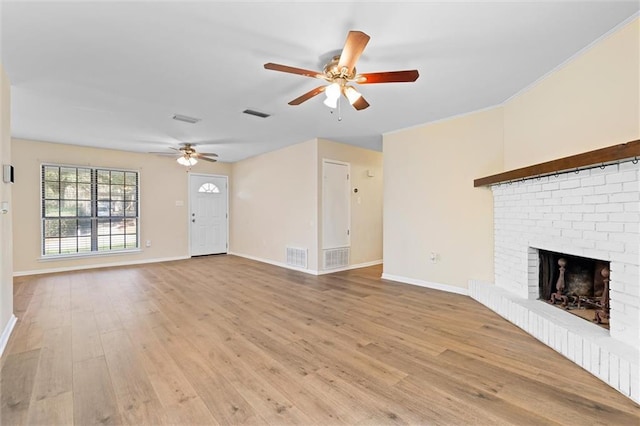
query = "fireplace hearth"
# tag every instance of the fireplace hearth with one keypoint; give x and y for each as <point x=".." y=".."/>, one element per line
<point x="576" y="284"/>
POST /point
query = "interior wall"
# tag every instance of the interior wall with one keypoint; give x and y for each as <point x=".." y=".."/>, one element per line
<point x="163" y="182"/>
<point x="6" y="241"/>
<point x="274" y="204"/>
<point x="591" y="102"/>
<point x="366" y="204"/>
<point x="431" y="206"/>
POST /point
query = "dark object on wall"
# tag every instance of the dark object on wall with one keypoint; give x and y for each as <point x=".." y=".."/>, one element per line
<point x="7" y="173"/>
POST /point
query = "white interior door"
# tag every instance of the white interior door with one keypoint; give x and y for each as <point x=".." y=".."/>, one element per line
<point x="208" y="214"/>
<point x="336" y="206"/>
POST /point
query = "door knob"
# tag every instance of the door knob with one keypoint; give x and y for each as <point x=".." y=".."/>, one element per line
<point x="193" y="220"/>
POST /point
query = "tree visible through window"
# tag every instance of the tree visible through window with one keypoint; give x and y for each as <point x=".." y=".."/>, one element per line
<point x="209" y="187"/>
<point x="88" y="210"/>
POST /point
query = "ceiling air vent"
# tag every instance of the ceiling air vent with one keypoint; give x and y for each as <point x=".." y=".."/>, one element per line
<point x="256" y="113"/>
<point x="185" y="118"/>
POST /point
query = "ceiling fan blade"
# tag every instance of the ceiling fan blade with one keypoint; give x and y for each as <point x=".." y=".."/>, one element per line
<point x="293" y="70"/>
<point x="310" y="94"/>
<point x="388" y="77"/>
<point x="208" y="154"/>
<point x="166" y="154"/>
<point x="361" y="103"/>
<point x="353" y="48"/>
<point x="213" y="160"/>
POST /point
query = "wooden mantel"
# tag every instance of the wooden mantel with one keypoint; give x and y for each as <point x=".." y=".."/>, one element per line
<point x="574" y="162"/>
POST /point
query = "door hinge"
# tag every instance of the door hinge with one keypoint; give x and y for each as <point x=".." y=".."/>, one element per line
<point x="226" y="215"/>
<point x="347" y="176"/>
<point x="348" y="232"/>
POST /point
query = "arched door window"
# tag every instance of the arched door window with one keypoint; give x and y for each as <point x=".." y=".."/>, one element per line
<point x="209" y="188"/>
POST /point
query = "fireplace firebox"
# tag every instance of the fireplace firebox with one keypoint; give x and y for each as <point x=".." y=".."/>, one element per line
<point x="576" y="284"/>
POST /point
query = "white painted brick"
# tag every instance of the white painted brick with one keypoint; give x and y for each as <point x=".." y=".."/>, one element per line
<point x="608" y="189"/>
<point x="623" y="375"/>
<point x="610" y="208"/>
<point x="562" y="224"/>
<point x="573" y="233"/>
<point x="624" y="197"/>
<point x="586" y="356"/>
<point x="575" y="183"/>
<point x="609" y="227"/>
<point x="629" y="165"/>
<point x="578" y="350"/>
<point x="576" y="199"/>
<point x="586" y="225"/>
<point x="595" y="236"/>
<point x="625" y="176"/>
<point x="551" y="186"/>
<point x="572" y="216"/>
<point x="595" y="199"/>
<point x="624" y="217"/>
<point x="592" y="181"/>
<point x="614" y="374"/>
<point x="542" y="195"/>
<point x="596" y="217"/>
<point x="604" y="365"/>
<point x="611" y="246"/>
<point x="632" y="207"/>
<point x="630" y="186"/>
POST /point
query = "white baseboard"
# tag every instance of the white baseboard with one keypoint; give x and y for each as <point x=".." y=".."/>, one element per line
<point x="348" y="268"/>
<point x="428" y="284"/>
<point x="306" y="271"/>
<point x="6" y="333"/>
<point x="274" y="263"/>
<point x="95" y="266"/>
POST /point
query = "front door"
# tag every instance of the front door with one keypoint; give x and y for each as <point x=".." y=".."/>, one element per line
<point x="208" y="216"/>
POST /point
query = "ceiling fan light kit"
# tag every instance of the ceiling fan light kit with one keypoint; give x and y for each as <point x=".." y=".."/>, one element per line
<point x="341" y="70"/>
<point x="188" y="156"/>
<point x="187" y="161"/>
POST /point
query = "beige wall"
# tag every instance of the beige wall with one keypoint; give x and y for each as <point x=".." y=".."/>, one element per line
<point x="591" y="102"/>
<point x="162" y="183"/>
<point x="430" y="204"/>
<point x="429" y="200"/>
<point x="6" y="267"/>
<point x="274" y="203"/>
<point x="366" y="205"/>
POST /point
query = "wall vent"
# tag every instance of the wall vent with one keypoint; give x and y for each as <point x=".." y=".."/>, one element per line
<point x="297" y="257"/>
<point x="256" y="113"/>
<point x="185" y="118"/>
<point x="336" y="258"/>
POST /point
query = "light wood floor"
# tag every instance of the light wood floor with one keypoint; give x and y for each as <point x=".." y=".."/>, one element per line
<point x="224" y="340"/>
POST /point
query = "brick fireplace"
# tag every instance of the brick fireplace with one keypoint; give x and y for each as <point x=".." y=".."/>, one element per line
<point x="591" y="213"/>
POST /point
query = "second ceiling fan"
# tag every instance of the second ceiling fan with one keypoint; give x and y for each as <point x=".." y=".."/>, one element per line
<point x="340" y="72"/>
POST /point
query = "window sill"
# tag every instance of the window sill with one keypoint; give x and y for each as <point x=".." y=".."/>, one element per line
<point x="54" y="257"/>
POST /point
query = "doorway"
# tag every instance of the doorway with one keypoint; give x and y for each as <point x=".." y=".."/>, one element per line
<point x="336" y="210"/>
<point x="208" y="214"/>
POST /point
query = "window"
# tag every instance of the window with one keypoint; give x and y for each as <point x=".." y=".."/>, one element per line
<point x="88" y="210"/>
<point x="210" y="188"/>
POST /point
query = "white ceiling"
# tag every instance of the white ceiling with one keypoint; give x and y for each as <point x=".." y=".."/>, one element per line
<point x="112" y="75"/>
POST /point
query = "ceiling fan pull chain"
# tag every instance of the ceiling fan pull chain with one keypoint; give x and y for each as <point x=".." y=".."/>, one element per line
<point x="339" y="109"/>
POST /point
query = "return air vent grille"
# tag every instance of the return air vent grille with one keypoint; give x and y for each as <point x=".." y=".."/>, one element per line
<point x="336" y="258"/>
<point x="297" y="257"/>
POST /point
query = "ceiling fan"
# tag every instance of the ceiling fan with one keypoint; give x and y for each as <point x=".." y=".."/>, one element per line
<point x="187" y="155"/>
<point x="340" y="73"/>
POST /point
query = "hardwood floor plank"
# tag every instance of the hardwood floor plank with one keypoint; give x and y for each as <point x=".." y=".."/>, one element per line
<point x="94" y="398"/>
<point x="16" y="386"/>
<point x="137" y="401"/>
<point x="54" y="410"/>
<point x="54" y="375"/>
<point x="226" y="340"/>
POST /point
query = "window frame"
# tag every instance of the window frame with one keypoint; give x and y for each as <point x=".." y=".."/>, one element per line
<point x="94" y="218"/>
